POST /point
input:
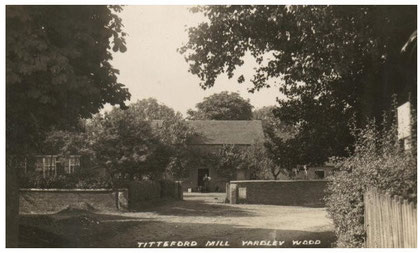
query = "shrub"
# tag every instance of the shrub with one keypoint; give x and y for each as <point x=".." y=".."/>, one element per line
<point x="254" y="159"/>
<point x="65" y="181"/>
<point x="377" y="161"/>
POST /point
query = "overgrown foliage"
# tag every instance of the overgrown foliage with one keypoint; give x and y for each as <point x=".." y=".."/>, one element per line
<point x="57" y="68"/>
<point x="80" y="179"/>
<point x="254" y="161"/>
<point x="229" y="161"/>
<point x="281" y="143"/>
<point x="142" y="141"/>
<point x="123" y="143"/>
<point x="57" y="71"/>
<point x="222" y="106"/>
<point x="330" y="62"/>
<point x="378" y="161"/>
<point x="146" y="141"/>
<point x="259" y="163"/>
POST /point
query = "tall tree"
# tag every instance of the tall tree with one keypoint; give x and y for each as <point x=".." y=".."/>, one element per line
<point x="151" y="109"/>
<point x="124" y="144"/>
<point x="57" y="70"/>
<point x="332" y="62"/>
<point x="147" y="140"/>
<point x="281" y="143"/>
<point x="272" y="125"/>
<point x="260" y="163"/>
<point x="254" y="160"/>
<point x="222" y="106"/>
<point x="168" y="125"/>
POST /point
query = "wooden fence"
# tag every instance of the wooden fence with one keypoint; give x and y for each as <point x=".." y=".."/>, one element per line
<point x="390" y="222"/>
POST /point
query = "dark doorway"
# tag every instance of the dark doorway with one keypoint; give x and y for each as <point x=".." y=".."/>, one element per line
<point x="320" y="174"/>
<point x="201" y="174"/>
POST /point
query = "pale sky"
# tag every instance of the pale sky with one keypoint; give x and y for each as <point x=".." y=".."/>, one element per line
<point x="151" y="66"/>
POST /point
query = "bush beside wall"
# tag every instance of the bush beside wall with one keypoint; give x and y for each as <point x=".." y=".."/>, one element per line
<point x="378" y="161"/>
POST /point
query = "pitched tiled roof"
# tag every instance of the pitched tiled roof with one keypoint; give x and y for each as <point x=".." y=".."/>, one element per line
<point x="240" y="132"/>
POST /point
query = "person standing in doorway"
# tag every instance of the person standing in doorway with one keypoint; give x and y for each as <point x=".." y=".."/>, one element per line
<point x="305" y="171"/>
<point x="206" y="181"/>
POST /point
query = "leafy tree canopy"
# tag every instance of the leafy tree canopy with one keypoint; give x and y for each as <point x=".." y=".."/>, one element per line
<point x="169" y="125"/>
<point x="331" y="62"/>
<point x="146" y="140"/>
<point x="254" y="160"/>
<point x="123" y="143"/>
<point x="281" y="143"/>
<point x="151" y="109"/>
<point x="222" y="106"/>
<point x="62" y="142"/>
<point x="272" y="125"/>
<point x="57" y="68"/>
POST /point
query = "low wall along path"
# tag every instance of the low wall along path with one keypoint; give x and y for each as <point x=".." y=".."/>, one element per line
<point x="278" y="192"/>
<point x="32" y="201"/>
<point x="55" y="200"/>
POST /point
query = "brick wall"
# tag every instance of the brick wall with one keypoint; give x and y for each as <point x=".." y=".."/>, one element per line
<point x="278" y="192"/>
<point x="54" y="200"/>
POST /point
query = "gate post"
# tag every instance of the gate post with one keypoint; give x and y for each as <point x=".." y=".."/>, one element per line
<point x="180" y="191"/>
<point x="233" y="192"/>
<point x="227" y="191"/>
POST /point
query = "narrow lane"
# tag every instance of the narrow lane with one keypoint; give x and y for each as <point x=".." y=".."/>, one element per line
<point x="203" y="219"/>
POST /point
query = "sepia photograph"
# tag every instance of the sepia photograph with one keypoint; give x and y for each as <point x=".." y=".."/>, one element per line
<point x="210" y="126"/>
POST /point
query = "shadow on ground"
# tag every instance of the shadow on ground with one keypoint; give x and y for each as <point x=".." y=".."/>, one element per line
<point x="195" y="208"/>
<point x="200" y="218"/>
<point x="71" y="230"/>
<point x="109" y="231"/>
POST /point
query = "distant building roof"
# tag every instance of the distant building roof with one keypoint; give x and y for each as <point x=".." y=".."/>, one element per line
<point x="240" y="132"/>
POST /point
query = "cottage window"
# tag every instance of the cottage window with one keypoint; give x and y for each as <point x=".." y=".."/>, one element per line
<point x="47" y="165"/>
<point x="74" y="163"/>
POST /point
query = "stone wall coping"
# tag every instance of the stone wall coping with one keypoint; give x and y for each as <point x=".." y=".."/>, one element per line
<point x="277" y="181"/>
<point x="70" y="190"/>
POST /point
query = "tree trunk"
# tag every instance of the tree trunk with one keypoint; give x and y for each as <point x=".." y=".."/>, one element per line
<point x="275" y="175"/>
<point x="12" y="206"/>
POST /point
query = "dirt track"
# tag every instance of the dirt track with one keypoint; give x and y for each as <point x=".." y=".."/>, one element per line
<point x="199" y="218"/>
